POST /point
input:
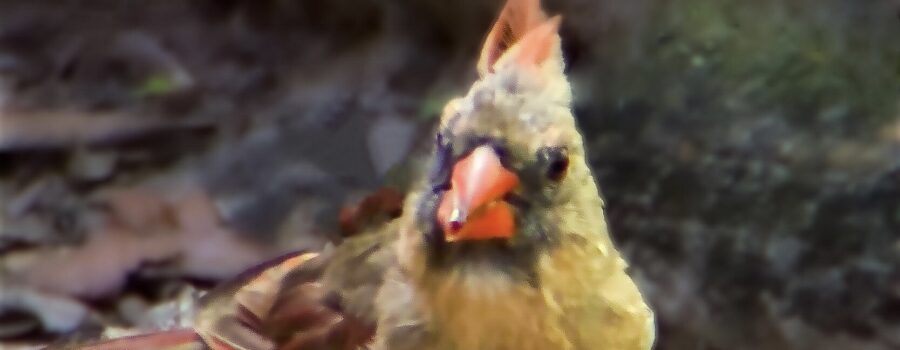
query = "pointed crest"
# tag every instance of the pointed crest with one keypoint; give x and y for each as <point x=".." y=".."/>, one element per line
<point x="536" y="46"/>
<point x="517" y="19"/>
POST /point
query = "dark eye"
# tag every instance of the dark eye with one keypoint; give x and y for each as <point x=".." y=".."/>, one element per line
<point x="555" y="161"/>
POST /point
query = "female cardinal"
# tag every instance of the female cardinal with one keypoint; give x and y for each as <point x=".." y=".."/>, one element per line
<point x="503" y="246"/>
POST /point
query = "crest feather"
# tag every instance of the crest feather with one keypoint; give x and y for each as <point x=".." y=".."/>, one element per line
<point x="516" y="20"/>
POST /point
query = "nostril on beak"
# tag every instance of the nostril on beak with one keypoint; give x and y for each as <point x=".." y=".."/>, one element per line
<point x="457" y="219"/>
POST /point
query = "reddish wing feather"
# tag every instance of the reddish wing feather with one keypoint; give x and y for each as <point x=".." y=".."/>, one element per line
<point x="374" y="209"/>
<point x="284" y="307"/>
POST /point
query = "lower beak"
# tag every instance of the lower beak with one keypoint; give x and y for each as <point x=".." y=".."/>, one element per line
<point x="473" y="207"/>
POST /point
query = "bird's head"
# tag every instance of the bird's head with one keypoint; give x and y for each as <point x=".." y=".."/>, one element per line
<point x="508" y="175"/>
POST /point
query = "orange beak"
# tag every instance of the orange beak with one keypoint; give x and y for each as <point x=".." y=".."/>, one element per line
<point x="473" y="207"/>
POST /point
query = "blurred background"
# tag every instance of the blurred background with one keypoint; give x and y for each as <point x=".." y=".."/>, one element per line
<point x="749" y="151"/>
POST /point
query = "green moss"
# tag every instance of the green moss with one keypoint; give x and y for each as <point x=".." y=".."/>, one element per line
<point x="770" y="56"/>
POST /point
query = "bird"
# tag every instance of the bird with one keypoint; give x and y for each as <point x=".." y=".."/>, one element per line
<point x="502" y="244"/>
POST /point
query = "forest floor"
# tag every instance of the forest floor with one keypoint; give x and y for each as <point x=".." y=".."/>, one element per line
<point x="749" y="153"/>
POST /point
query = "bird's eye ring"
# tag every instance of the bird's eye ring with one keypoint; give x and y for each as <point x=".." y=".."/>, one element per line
<point x="555" y="161"/>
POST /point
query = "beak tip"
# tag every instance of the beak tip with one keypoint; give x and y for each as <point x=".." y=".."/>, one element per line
<point x="477" y="181"/>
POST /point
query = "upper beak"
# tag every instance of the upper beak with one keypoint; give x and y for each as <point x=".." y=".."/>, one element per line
<point x="473" y="207"/>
